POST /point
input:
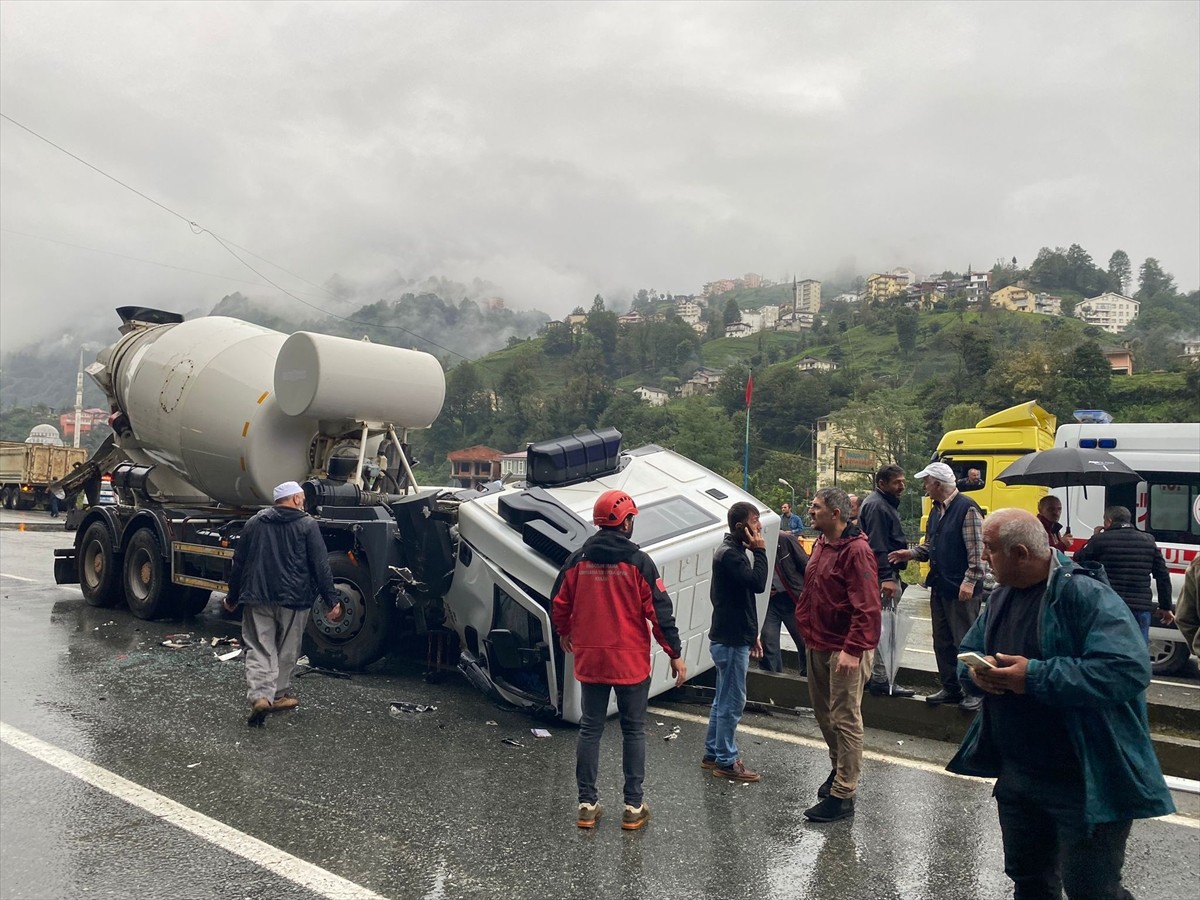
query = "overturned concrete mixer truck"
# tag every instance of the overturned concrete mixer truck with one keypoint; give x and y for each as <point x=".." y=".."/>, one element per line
<point x="210" y="413"/>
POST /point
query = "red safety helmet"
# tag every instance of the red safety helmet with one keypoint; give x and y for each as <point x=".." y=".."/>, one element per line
<point x="612" y="508"/>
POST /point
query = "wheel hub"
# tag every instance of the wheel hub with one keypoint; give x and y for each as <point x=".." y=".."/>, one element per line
<point x="354" y="615"/>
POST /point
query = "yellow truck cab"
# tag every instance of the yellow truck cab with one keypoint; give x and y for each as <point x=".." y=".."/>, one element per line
<point x="990" y="447"/>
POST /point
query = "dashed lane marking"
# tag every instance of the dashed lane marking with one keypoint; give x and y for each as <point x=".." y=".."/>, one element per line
<point x="283" y="864"/>
<point x="918" y="764"/>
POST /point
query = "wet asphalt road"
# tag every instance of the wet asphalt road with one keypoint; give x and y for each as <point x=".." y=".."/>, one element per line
<point x="432" y="805"/>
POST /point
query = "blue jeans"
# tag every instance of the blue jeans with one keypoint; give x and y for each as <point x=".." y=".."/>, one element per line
<point x="632" y="700"/>
<point x="1143" y="620"/>
<point x="728" y="704"/>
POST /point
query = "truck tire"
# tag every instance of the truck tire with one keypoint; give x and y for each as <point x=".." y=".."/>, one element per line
<point x="1168" y="657"/>
<point x="361" y="636"/>
<point x="148" y="588"/>
<point x="6" y="497"/>
<point x="24" y="501"/>
<point x="191" y="601"/>
<point x="99" y="572"/>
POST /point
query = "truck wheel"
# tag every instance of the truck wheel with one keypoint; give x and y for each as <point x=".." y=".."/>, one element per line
<point x="1167" y="657"/>
<point x="99" y="575"/>
<point x="361" y="636"/>
<point x="148" y="588"/>
<point x="24" y="501"/>
<point x="6" y="497"/>
<point x="191" y="601"/>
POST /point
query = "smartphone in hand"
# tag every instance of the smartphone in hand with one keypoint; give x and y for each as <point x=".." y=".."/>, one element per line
<point x="975" y="661"/>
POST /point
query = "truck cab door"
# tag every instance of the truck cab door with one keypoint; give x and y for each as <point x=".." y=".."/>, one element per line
<point x="519" y="646"/>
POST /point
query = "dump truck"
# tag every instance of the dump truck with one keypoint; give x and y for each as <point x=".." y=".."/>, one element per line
<point x="27" y="469"/>
<point x="210" y="413"/>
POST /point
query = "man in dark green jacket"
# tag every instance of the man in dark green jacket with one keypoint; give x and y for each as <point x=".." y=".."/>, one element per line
<point x="1063" y="727"/>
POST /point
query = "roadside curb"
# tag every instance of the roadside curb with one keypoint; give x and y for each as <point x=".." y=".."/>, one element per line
<point x="1177" y="755"/>
<point x="35" y="526"/>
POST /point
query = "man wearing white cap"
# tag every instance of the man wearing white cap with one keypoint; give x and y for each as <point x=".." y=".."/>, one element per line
<point x="279" y="565"/>
<point x="953" y="547"/>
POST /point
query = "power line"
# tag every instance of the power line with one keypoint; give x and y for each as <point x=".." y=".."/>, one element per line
<point x="151" y="262"/>
<point x="226" y="245"/>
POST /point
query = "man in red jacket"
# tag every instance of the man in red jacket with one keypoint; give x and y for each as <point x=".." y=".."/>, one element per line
<point x="838" y="615"/>
<point x="605" y="594"/>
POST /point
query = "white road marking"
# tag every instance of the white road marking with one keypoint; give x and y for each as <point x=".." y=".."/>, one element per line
<point x="17" y="577"/>
<point x="874" y="755"/>
<point x="283" y="864"/>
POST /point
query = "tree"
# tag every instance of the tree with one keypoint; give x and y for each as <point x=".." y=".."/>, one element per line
<point x="1086" y="377"/>
<point x="1120" y="271"/>
<point x="1067" y="307"/>
<point x="733" y="312"/>
<point x="961" y="415"/>
<point x="888" y="423"/>
<point x="907" y="326"/>
<point x="1152" y="280"/>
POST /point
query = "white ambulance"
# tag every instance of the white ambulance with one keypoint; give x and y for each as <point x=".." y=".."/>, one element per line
<point x="1166" y="503"/>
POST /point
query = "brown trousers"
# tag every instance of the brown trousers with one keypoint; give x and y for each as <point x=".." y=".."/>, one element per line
<point x="837" y="704"/>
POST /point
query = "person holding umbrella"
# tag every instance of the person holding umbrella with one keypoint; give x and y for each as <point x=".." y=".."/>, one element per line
<point x="879" y="518"/>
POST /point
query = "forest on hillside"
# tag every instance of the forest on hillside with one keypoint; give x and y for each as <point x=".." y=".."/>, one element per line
<point x="903" y="376"/>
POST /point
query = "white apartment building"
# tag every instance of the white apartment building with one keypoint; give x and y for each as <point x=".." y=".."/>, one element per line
<point x="807" y="296"/>
<point x="1112" y="312"/>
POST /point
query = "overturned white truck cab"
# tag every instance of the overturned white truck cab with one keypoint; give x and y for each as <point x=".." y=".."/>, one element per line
<point x="210" y="413"/>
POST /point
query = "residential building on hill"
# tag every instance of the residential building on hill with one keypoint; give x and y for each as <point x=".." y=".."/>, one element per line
<point x="703" y="381"/>
<point x="1017" y="299"/>
<point x="1112" y="312"/>
<point x="881" y="286"/>
<point x="652" y="395"/>
<point x="806" y="296"/>
<point x="752" y="280"/>
<point x="474" y="466"/>
<point x="513" y="466"/>
<point x="812" y="364"/>
<point x="1120" y="360"/>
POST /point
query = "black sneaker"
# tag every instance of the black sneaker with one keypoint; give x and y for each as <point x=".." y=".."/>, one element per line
<point x="943" y="696"/>
<point x="831" y="809"/>
<point x="971" y="703"/>
<point x="881" y="689"/>
<point x="826" y="785"/>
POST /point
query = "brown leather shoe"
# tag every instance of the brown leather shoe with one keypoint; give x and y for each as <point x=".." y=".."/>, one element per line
<point x="736" y="772"/>
<point x="708" y="762"/>
<point x="284" y="703"/>
<point x="258" y="712"/>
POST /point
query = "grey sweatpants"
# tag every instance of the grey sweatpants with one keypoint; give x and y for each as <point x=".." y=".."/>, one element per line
<point x="272" y="636"/>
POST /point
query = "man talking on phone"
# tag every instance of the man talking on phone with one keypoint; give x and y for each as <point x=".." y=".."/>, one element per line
<point x="1063" y="727"/>
<point x="733" y="637"/>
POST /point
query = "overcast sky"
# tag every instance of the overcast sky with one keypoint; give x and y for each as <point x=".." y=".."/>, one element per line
<point x="561" y="149"/>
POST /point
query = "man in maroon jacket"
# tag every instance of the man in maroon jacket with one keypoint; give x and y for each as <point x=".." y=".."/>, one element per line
<point x="838" y="615"/>
<point x="606" y="592"/>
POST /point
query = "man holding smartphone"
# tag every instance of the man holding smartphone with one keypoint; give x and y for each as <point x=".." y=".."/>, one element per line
<point x="1063" y="727"/>
<point x="733" y="637"/>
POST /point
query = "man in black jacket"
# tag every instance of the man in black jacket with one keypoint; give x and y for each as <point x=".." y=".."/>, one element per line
<point x="879" y="518"/>
<point x="787" y="582"/>
<point x="733" y="636"/>
<point x="1130" y="557"/>
<point x="279" y="564"/>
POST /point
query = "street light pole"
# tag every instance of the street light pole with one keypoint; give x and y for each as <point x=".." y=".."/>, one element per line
<point x="787" y="485"/>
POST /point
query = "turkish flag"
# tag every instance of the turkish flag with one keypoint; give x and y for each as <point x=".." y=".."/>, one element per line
<point x="749" y="389"/>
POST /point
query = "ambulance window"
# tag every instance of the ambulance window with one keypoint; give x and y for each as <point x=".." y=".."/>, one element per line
<point x="1170" y="508"/>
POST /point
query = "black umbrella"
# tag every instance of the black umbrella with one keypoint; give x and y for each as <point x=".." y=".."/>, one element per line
<point x="1068" y="467"/>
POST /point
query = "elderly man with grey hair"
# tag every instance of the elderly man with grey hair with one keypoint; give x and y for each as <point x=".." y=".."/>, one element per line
<point x="953" y="547"/>
<point x="1063" y="672"/>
